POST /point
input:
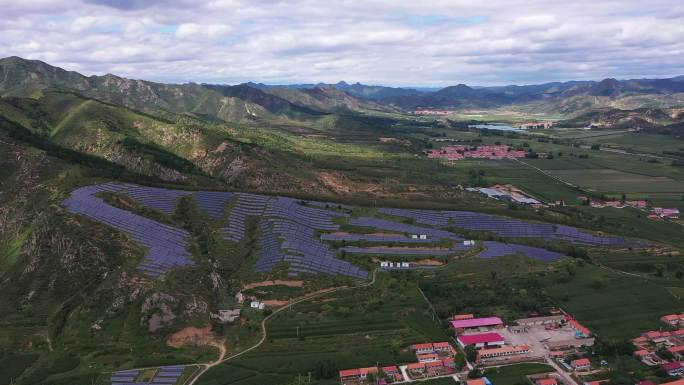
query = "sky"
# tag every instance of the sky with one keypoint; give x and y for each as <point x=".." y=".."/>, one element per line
<point x="428" y="43"/>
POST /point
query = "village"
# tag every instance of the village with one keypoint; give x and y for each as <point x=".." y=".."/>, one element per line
<point x="556" y="339"/>
<point x="458" y="152"/>
<point x="663" y="348"/>
<point x="654" y="213"/>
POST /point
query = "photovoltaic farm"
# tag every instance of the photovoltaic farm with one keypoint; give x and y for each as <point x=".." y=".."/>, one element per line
<point x="165" y="375"/>
<point x="302" y="234"/>
<point x="508" y="228"/>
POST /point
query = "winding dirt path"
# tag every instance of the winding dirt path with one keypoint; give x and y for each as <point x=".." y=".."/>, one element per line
<point x="264" y="333"/>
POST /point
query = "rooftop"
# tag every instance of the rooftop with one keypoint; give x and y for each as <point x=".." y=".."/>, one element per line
<point x="476" y="322"/>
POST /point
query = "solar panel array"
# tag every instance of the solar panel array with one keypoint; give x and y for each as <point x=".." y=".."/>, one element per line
<point x="507" y="227"/>
<point x="213" y="202"/>
<point x="157" y="198"/>
<point x="246" y="205"/>
<point x="289" y="228"/>
<point x="355" y="237"/>
<point x="397" y="251"/>
<point x="166" y="375"/>
<point x="383" y="224"/>
<point x="498" y="249"/>
<point x="166" y="244"/>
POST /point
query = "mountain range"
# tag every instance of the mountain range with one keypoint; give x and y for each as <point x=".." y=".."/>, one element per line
<point x="254" y="101"/>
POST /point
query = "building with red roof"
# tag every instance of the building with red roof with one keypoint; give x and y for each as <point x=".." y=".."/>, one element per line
<point x="458" y="317"/>
<point x="353" y="375"/>
<point x="546" y="381"/>
<point x="481" y="340"/>
<point x="429" y="357"/>
<point x="678" y="351"/>
<point x="504" y="351"/>
<point x="443" y="347"/>
<point x="581" y="364"/>
<point x="423" y="348"/>
<point x="673" y="319"/>
<point x="675" y="368"/>
<point x="476" y="381"/>
<point x="475" y="323"/>
<point x="579" y="329"/>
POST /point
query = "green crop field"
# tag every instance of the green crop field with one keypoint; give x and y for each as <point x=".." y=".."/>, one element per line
<point x="346" y="329"/>
<point x="515" y="374"/>
<point x="613" y="305"/>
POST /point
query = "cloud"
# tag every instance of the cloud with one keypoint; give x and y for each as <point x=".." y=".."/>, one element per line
<point x="431" y="43"/>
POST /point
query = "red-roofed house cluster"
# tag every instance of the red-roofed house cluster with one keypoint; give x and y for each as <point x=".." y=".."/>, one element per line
<point x="655" y="213"/>
<point x="481" y="334"/>
<point x="501" y="151"/>
<point x="663" y="348"/>
<point x="434" y="360"/>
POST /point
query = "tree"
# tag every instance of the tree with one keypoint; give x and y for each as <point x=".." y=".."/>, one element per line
<point x="471" y="353"/>
<point x="660" y="269"/>
<point x="325" y="369"/>
<point x="475" y="373"/>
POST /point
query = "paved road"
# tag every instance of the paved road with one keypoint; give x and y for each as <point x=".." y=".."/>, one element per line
<point x="566" y="377"/>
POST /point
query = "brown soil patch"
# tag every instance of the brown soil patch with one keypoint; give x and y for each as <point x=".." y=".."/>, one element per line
<point x="192" y="336"/>
<point x="429" y="262"/>
<point x="275" y="302"/>
<point x="341" y="184"/>
<point x="290" y="283"/>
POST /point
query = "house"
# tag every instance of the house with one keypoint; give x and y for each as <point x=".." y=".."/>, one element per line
<point x="257" y="305"/>
<point x="677" y="351"/>
<point x="503" y="351"/>
<point x="673" y="319"/>
<point x="429" y="357"/>
<point x="580" y="330"/>
<point x="677" y="382"/>
<point x="423" y="348"/>
<point x="458" y="317"/>
<point x="481" y="340"/>
<point x="416" y="367"/>
<point x="393" y="372"/>
<point x="227" y="315"/>
<point x="640" y="354"/>
<point x="581" y="364"/>
<point x="555" y="320"/>
<point x="449" y="362"/>
<point x="569" y="344"/>
<point x="355" y="375"/>
<point x="443" y="347"/>
<point x="546" y="381"/>
<point x="476" y="381"/>
<point x="476" y="323"/>
<point x="675" y="368"/>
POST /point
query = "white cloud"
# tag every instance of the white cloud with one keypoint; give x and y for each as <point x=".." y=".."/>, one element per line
<point x="433" y="42"/>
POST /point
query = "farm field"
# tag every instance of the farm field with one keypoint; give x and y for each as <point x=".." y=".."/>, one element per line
<point x="347" y="329"/>
<point x="515" y="374"/>
<point x="613" y="305"/>
<point x="617" y="182"/>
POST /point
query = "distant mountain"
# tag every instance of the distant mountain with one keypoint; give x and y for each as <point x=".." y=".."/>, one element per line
<point x="258" y="102"/>
<point x="327" y="98"/>
<point x="27" y="78"/>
